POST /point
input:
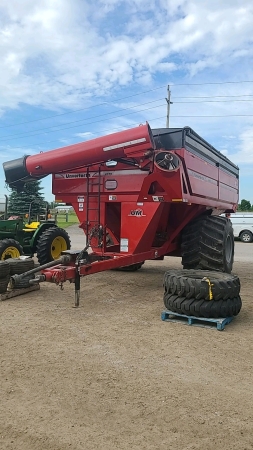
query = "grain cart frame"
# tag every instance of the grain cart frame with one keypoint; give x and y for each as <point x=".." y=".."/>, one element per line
<point x="140" y="194"/>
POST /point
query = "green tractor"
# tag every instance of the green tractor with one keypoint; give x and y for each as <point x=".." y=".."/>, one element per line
<point x="25" y="237"/>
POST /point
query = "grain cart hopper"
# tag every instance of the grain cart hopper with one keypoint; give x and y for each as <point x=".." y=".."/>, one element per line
<point x="139" y="194"/>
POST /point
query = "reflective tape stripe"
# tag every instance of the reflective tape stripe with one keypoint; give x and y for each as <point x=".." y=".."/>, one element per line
<point x="124" y="144"/>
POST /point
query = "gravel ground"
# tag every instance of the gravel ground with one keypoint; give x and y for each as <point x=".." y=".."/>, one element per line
<point x="112" y="375"/>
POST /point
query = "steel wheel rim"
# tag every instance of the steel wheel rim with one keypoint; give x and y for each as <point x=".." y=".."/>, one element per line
<point x="58" y="245"/>
<point x="10" y="252"/>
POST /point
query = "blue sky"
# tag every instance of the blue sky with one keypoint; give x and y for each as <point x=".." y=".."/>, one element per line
<point x="72" y="71"/>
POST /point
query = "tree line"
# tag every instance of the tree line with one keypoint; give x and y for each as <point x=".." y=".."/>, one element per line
<point x="245" y="205"/>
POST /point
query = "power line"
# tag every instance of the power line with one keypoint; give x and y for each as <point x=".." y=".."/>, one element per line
<point x="92" y="133"/>
<point x="131" y="96"/>
<point x="211" y="83"/>
<point x="219" y="96"/>
<point x="225" y="115"/>
<point x="27" y="133"/>
<point x="218" y="101"/>
<point x="149" y="120"/>
<point x="88" y="123"/>
<point x="83" y="109"/>
<point x="134" y="112"/>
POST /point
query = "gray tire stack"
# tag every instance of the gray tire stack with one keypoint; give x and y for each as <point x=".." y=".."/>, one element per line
<point x="4" y="276"/>
<point x="14" y="266"/>
<point x="19" y="266"/>
<point x="202" y="293"/>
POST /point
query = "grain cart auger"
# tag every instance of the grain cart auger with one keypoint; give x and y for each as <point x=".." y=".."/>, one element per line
<point x="139" y="195"/>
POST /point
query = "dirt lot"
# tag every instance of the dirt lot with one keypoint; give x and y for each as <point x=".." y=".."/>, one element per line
<point x="112" y="375"/>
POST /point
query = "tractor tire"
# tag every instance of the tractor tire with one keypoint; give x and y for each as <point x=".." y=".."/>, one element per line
<point x="18" y="266"/>
<point x="203" y="308"/>
<point x="9" y="248"/>
<point x="4" y="269"/>
<point x="131" y="268"/>
<point x="4" y="284"/>
<point x="208" y="243"/>
<point x="201" y="284"/>
<point x="51" y="244"/>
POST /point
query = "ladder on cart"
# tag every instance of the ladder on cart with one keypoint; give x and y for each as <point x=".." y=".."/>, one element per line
<point x="93" y="206"/>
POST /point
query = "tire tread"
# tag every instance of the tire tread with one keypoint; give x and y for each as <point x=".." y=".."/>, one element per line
<point x="202" y="245"/>
<point x="202" y="308"/>
<point x="189" y="283"/>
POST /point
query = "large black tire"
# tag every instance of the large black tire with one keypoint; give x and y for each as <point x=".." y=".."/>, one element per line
<point x="202" y="284"/>
<point x="51" y="244"/>
<point x="203" y="308"/>
<point x="4" y="269"/>
<point x="18" y="266"/>
<point x="4" y="284"/>
<point x="208" y="243"/>
<point x="9" y="248"/>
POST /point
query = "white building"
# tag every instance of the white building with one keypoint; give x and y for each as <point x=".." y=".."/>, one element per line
<point x="2" y="204"/>
<point x="63" y="209"/>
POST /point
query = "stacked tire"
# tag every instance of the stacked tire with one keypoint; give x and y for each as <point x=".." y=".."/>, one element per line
<point x="19" y="266"/>
<point x="4" y="276"/>
<point x="202" y="293"/>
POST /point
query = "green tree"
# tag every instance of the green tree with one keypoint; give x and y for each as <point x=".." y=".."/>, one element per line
<point x="30" y="199"/>
<point x="245" y="205"/>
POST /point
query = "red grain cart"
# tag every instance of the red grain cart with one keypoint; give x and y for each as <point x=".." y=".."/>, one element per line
<point x="140" y="194"/>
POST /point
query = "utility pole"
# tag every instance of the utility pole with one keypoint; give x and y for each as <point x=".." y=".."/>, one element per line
<point x="168" y="107"/>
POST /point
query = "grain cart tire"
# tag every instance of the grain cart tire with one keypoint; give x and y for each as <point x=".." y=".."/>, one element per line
<point x="18" y="266"/>
<point x="131" y="268"/>
<point x="51" y="243"/>
<point x="202" y="284"/>
<point x="9" y="248"/>
<point x="246" y="236"/>
<point x="4" y="284"/>
<point x="4" y="269"/>
<point x="203" y="308"/>
<point x="208" y="243"/>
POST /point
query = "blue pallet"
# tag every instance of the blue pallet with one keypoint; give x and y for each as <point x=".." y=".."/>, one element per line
<point x="219" y="324"/>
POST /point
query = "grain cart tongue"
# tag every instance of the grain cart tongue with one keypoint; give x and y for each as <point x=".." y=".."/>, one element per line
<point x="140" y="194"/>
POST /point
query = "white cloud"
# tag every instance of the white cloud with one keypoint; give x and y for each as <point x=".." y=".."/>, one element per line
<point x="55" y="53"/>
<point x="85" y="136"/>
<point x="244" y="154"/>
